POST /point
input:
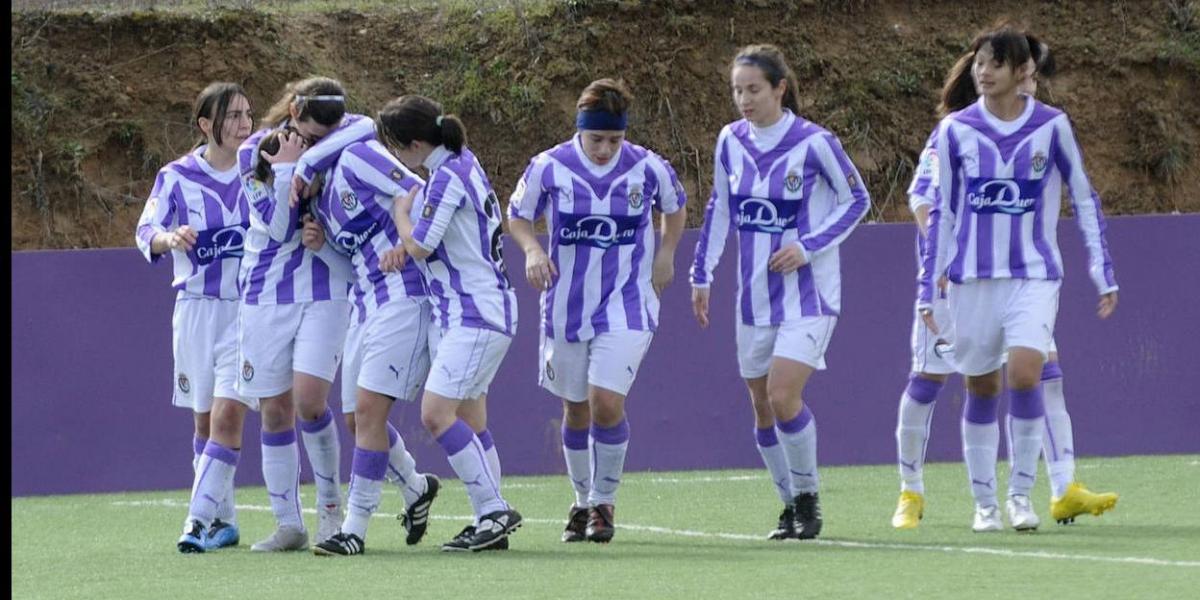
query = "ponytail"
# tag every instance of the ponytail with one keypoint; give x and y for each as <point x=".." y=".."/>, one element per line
<point x="410" y="118"/>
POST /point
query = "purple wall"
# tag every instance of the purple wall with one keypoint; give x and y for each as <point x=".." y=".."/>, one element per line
<point x="92" y="368"/>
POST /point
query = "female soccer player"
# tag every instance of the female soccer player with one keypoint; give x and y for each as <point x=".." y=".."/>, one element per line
<point x="456" y="240"/>
<point x="386" y="351"/>
<point x="787" y="187"/>
<point x="930" y="368"/>
<point x="600" y="285"/>
<point x="992" y="236"/>
<point x="197" y="213"/>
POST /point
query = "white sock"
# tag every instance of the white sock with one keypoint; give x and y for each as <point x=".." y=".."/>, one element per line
<point x="776" y="461"/>
<point x="912" y="431"/>
<point x="281" y="473"/>
<point x="489" y="450"/>
<point x="799" y="441"/>
<point x="214" y="480"/>
<point x="981" y="443"/>
<point x="324" y="454"/>
<point x="402" y="468"/>
<point x="366" y="487"/>
<point x="609" y="445"/>
<point x="1026" y="428"/>
<point x="1058" y="445"/>
<point x="578" y="457"/>
<point x="467" y="458"/>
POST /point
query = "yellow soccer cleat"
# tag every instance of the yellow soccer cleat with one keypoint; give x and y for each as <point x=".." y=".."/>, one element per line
<point x="1079" y="500"/>
<point x="909" y="511"/>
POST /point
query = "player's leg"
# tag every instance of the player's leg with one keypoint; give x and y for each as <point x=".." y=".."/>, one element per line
<point x="754" y="345"/>
<point x="562" y="371"/>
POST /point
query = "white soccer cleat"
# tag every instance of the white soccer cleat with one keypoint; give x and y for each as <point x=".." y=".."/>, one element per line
<point x="987" y="518"/>
<point x="1020" y="513"/>
<point x="329" y="521"/>
<point x="285" y="539"/>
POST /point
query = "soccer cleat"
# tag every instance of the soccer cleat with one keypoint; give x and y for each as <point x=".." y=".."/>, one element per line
<point x="493" y="528"/>
<point x="329" y="521"/>
<point x="1078" y="500"/>
<point x="1020" y="513"/>
<point x="341" y="544"/>
<point x="987" y="518"/>
<point x="459" y="543"/>
<point x="222" y="535"/>
<point x="416" y="517"/>
<point x="576" y="529"/>
<point x="787" y="525"/>
<point x="909" y="510"/>
<point x="600" y="528"/>
<point x="808" y="516"/>
<point x="285" y="539"/>
<point x="194" y="539"/>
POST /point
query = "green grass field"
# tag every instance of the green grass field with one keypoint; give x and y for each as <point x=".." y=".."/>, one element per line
<point x="680" y="535"/>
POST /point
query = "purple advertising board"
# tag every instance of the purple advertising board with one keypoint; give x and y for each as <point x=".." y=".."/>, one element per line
<point x="92" y="368"/>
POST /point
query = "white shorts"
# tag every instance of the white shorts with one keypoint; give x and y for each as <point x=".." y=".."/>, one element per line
<point x="926" y="356"/>
<point x="275" y="341"/>
<point x="467" y="360"/>
<point x="610" y="361"/>
<point x="993" y="315"/>
<point x="803" y="340"/>
<point x="204" y="343"/>
<point x="388" y="353"/>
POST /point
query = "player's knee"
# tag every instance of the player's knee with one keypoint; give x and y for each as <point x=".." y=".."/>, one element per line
<point x="577" y="415"/>
<point x="277" y="415"/>
<point x="984" y="387"/>
<point x="350" y="423"/>
<point x="203" y="425"/>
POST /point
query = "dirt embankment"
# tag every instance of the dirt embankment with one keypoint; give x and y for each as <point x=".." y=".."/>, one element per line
<point x="100" y="102"/>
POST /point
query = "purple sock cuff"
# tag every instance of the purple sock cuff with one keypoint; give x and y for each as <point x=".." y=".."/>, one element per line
<point x="393" y="435"/>
<point x="485" y="439"/>
<point x="319" y="423"/>
<point x="923" y="390"/>
<point x="766" y="436"/>
<point x="617" y="434"/>
<point x="1051" y="370"/>
<point x="281" y="438"/>
<point x="370" y="464"/>
<point x="980" y="410"/>
<point x="798" y="423"/>
<point x="1026" y="404"/>
<point x="221" y="453"/>
<point x="456" y="437"/>
<point x="575" y="439"/>
<point x="198" y="444"/>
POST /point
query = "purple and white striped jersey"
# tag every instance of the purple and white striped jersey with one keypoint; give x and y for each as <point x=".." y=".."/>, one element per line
<point x="801" y="190"/>
<point x="277" y="268"/>
<point x="602" y="236"/>
<point x="1000" y="189"/>
<point x="356" y="209"/>
<point x="189" y="191"/>
<point x="322" y="156"/>
<point x="460" y="224"/>
<point x="923" y="189"/>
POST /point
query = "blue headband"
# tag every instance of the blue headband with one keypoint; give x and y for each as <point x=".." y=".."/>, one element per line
<point x="601" y="120"/>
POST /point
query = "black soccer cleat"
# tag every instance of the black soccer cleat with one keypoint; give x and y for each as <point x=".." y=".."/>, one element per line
<point x="341" y="544"/>
<point x="416" y="517"/>
<point x="459" y="543"/>
<point x="493" y="528"/>
<point x="787" y="525"/>
<point x="194" y="539"/>
<point x="808" y="516"/>
<point x="600" y="527"/>
<point x="576" y="529"/>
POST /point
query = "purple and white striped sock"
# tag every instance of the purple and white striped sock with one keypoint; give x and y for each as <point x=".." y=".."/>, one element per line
<point x="489" y="449"/>
<point x="324" y="454"/>
<point x="214" y="481"/>
<point x="366" y="486"/>
<point x="776" y="461"/>
<point x="402" y="468"/>
<point x="1026" y="428"/>
<point x="912" y="430"/>
<point x="1058" y="446"/>
<point x="981" y="442"/>
<point x="799" y="439"/>
<point x="577" y="455"/>
<point x="609" y="445"/>
<point x="281" y="473"/>
<point x="470" y="464"/>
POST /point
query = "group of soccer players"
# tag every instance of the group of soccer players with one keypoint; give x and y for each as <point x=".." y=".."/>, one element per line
<point x="315" y="242"/>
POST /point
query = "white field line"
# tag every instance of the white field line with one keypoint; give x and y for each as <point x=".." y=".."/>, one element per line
<point x="1136" y="560"/>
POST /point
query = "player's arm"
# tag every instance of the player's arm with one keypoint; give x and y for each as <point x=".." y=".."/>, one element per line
<point x="528" y="203"/>
<point x="1090" y="217"/>
<point x="443" y="197"/>
<point x="853" y="200"/>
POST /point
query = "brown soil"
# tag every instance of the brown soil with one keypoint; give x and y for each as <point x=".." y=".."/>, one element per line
<point x="100" y="102"/>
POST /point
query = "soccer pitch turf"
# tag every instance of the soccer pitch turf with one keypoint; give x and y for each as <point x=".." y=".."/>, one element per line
<point x="696" y="534"/>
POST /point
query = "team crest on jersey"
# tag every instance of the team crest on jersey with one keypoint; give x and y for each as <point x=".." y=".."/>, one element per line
<point x="792" y="182"/>
<point x="549" y="371"/>
<point x="349" y="200"/>
<point x="247" y="371"/>
<point x="635" y="197"/>
<point x="1039" y="161"/>
<point x="397" y="175"/>
<point x="185" y="386"/>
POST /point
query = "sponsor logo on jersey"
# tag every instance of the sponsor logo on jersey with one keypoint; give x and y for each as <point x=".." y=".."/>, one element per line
<point x="792" y="182"/>
<point x="598" y="231"/>
<point x="764" y="215"/>
<point x="635" y="197"/>
<point x="928" y="167"/>
<point x="356" y="232"/>
<point x="247" y="371"/>
<point x="220" y="244"/>
<point x="349" y="200"/>
<point x="1005" y="196"/>
<point x="1039" y="161"/>
<point x="185" y="386"/>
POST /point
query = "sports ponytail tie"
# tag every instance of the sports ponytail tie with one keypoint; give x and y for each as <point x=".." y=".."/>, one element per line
<point x="438" y="120"/>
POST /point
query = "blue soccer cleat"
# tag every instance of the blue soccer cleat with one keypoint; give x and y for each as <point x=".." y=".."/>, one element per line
<point x="222" y="535"/>
<point x="194" y="539"/>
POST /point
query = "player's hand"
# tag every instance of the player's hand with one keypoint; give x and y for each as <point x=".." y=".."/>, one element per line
<point x="301" y="190"/>
<point x="663" y="273"/>
<point x="787" y="259"/>
<point x="404" y="203"/>
<point x="313" y="236"/>
<point x="942" y="284"/>
<point x="393" y="260"/>
<point x="700" y="306"/>
<point x="927" y="318"/>
<point x="182" y="239"/>
<point x="1108" y="304"/>
<point x="291" y="146"/>
<point x="539" y="270"/>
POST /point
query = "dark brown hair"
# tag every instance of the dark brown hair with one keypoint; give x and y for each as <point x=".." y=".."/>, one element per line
<point x="1010" y="46"/>
<point x="213" y="104"/>
<point x="770" y="60"/>
<point x="269" y="144"/>
<point x="608" y="95"/>
<point x="409" y="118"/>
<point x="299" y="93"/>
